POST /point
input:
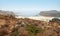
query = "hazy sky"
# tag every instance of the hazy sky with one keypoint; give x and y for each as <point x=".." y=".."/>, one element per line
<point x="29" y="7"/>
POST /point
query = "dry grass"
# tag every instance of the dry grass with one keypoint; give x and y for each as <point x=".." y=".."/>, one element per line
<point x="11" y="26"/>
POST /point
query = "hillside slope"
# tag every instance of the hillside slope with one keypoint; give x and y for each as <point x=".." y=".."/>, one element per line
<point x="52" y="13"/>
<point x="6" y="13"/>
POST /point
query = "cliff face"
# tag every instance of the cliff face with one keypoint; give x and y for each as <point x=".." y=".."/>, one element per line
<point x="52" y="13"/>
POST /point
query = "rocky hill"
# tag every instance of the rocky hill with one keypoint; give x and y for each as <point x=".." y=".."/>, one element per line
<point x="6" y="13"/>
<point x="11" y="26"/>
<point x="51" y="13"/>
<point x="7" y="17"/>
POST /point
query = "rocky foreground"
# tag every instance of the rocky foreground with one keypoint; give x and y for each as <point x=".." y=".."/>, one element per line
<point x="11" y="26"/>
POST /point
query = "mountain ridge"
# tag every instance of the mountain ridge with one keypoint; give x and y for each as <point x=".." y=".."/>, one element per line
<point x="51" y="13"/>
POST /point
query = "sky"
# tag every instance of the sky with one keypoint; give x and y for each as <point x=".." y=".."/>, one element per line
<point x="29" y="7"/>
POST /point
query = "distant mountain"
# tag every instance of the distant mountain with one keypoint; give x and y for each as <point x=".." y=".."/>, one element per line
<point x="6" y="13"/>
<point x="51" y="13"/>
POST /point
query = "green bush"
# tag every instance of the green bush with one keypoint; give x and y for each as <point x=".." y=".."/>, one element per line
<point x="33" y="30"/>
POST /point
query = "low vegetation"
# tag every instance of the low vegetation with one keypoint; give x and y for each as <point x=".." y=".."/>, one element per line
<point x="33" y="30"/>
<point x="28" y="27"/>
